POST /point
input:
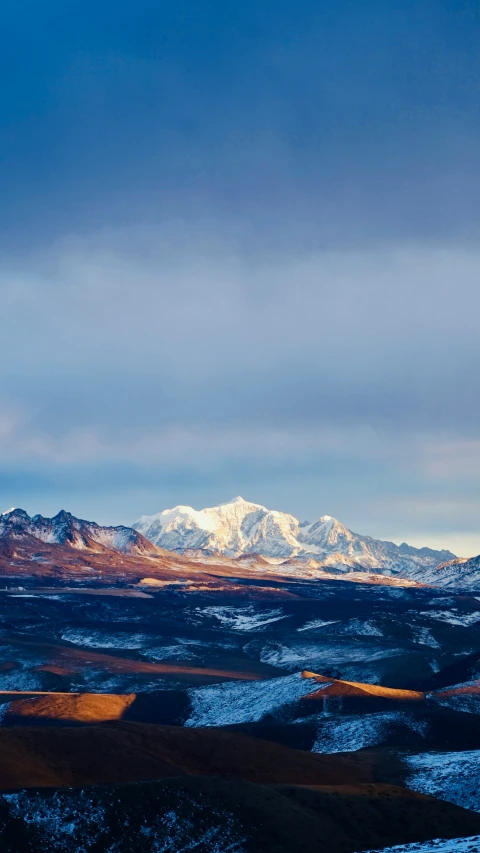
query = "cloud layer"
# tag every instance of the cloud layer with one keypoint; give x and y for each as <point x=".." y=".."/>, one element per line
<point x="240" y="254"/>
<point x="350" y="371"/>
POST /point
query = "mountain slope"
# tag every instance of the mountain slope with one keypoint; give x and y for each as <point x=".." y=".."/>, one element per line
<point x="212" y="791"/>
<point x="239" y="527"/>
<point x="16" y="526"/>
<point x="458" y="572"/>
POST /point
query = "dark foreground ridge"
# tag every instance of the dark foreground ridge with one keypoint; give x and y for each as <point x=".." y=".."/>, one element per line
<point x="222" y="791"/>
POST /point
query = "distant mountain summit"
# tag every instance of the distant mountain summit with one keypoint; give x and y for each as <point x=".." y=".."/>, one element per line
<point x="16" y="526"/>
<point x="240" y="527"/>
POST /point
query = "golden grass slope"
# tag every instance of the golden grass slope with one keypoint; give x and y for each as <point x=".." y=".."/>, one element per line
<point x="336" y="688"/>
<point x="73" y="707"/>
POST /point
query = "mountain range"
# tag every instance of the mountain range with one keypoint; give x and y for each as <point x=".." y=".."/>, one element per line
<point x="16" y="526"/>
<point x="239" y="527"/>
<point x="234" y="538"/>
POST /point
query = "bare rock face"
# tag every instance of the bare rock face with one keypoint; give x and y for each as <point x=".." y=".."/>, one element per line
<point x="16" y="526"/>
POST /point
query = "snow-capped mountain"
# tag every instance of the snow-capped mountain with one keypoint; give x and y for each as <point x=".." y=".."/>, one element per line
<point x="240" y="527"/>
<point x="458" y="572"/>
<point x="65" y="529"/>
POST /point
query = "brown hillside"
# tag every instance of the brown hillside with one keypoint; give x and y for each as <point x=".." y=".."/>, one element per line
<point x="73" y="707"/>
<point x="472" y="689"/>
<point x="295" y="819"/>
<point x="370" y="817"/>
<point x="73" y="658"/>
<point x="125" y="752"/>
<point x="336" y="688"/>
<point x="287" y="801"/>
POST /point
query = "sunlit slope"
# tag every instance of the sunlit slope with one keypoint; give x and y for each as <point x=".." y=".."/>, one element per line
<point x="336" y="688"/>
<point x="72" y="707"/>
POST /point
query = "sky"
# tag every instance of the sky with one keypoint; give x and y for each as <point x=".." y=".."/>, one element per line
<point x="239" y="254"/>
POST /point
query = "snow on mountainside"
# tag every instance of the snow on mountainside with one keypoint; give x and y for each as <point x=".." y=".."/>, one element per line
<point x="239" y="527"/>
<point x="470" y="844"/>
<point x="65" y="529"/>
<point x="459" y="572"/>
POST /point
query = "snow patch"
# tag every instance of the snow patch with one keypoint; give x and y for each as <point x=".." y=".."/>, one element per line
<point x="20" y="680"/>
<point x="237" y="702"/>
<point x="180" y="651"/>
<point x="62" y="820"/>
<point x="451" y="776"/>
<point x="317" y="623"/>
<point x="423" y="636"/>
<point x="353" y="732"/>
<point x="453" y="617"/>
<point x="314" y="657"/>
<point x="460" y="697"/>
<point x="358" y="628"/>
<point x="102" y="640"/>
<point x="243" y="618"/>
<point x="437" y="845"/>
<point x="76" y="820"/>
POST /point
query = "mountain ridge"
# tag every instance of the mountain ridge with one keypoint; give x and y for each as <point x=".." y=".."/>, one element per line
<point x="240" y="527"/>
<point x="238" y="536"/>
<point x="65" y="529"/>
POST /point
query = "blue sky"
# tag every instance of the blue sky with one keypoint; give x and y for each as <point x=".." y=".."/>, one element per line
<point x="239" y="254"/>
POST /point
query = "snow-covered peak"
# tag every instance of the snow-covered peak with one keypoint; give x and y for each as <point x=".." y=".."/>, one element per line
<point x="233" y="528"/>
<point x="240" y="527"/>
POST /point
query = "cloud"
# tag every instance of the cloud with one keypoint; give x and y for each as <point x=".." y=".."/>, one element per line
<point x="453" y="460"/>
<point x="193" y="446"/>
<point x="239" y="252"/>
<point x="154" y="332"/>
<point x="192" y="369"/>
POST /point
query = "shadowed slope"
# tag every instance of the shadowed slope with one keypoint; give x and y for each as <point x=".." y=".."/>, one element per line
<point x="252" y="807"/>
<point x="73" y="658"/>
<point x="124" y="752"/>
